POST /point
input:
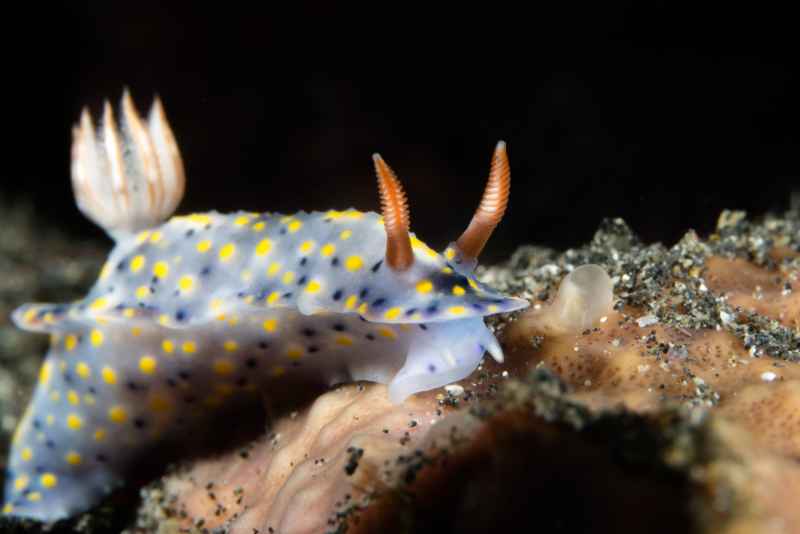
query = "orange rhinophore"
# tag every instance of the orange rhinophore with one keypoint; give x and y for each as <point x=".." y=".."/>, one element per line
<point x="395" y="214"/>
<point x="491" y="209"/>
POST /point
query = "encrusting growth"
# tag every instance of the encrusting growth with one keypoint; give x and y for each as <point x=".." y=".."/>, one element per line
<point x="584" y="297"/>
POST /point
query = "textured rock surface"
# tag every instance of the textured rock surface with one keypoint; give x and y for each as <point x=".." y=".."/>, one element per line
<point x="676" y="412"/>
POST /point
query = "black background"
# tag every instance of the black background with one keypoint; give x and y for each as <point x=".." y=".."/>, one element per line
<point x="659" y="113"/>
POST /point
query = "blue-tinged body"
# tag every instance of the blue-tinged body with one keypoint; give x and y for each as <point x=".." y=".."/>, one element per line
<point x="205" y="309"/>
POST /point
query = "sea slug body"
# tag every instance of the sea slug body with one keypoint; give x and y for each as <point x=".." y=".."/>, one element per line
<point x="192" y="313"/>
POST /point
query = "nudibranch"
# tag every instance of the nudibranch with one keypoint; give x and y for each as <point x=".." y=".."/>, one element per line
<point x="189" y="314"/>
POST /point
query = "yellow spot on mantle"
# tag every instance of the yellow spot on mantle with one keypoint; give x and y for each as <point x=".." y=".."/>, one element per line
<point x="141" y="237"/>
<point x="295" y="352"/>
<point x="83" y="370"/>
<point x="270" y="325"/>
<point x="99" y="304"/>
<point x="424" y="286"/>
<point x="26" y="454"/>
<point x="449" y="253"/>
<point x="307" y="247"/>
<point x="21" y="482"/>
<point x="74" y="422"/>
<point x="313" y="287"/>
<point x="344" y="340"/>
<point x="288" y="276"/>
<point x="457" y="310"/>
<point x="259" y="226"/>
<point x="393" y="313"/>
<point x="99" y="434"/>
<point x="387" y="332"/>
<point x="73" y="397"/>
<point x="458" y="291"/>
<point x="96" y="337"/>
<point x="242" y="220"/>
<point x="105" y="272"/>
<point x="273" y="269"/>
<point x="294" y="226"/>
<point x="227" y="252"/>
<point x="263" y="247"/>
<point x="44" y="373"/>
<point x="137" y="263"/>
<point x="230" y="345"/>
<point x="223" y="367"/>
<point x="199" y="218"/>
<point x="148" y="364"/>
<point x="48" y="480"/>
<point x="160" y="269"/>
<point x="354" y="263"/>
<point x="142" y="292"/>
<point x="346" y="234"/>
<point x="350" y="303"/>
<point x="109" y="375"/>
<point x="186" y="282"/>
<point x="189" y="347"/>
<point x="34" y="496"/>
<point x="327" y="250"/>
<point x="117" y="414"/>
<point x="168" y="346"/>
<point x="203" y="246"/>
<point x="73" y="458"/>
